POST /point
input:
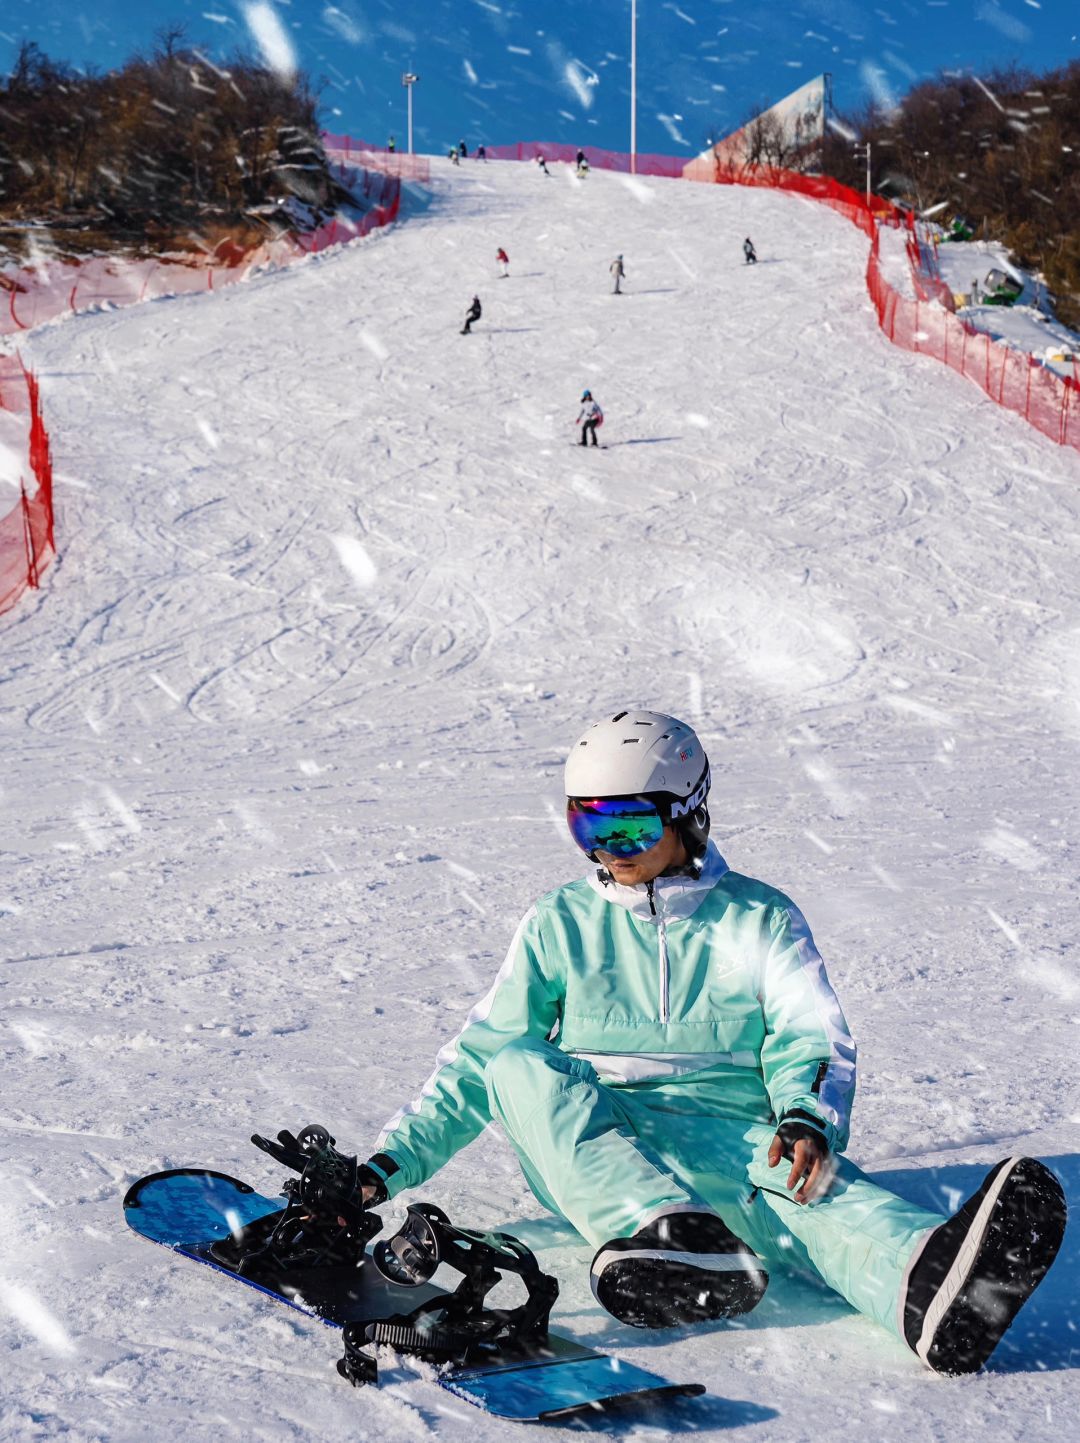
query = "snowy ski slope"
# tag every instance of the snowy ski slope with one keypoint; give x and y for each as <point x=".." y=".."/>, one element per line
<point x="282" y="739"/>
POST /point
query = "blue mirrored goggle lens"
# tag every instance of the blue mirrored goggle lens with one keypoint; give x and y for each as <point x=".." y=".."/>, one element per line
<point x="620" y="826"/>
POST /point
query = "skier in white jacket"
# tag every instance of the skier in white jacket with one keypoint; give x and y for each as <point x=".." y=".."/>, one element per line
<point x="589" y="417"/>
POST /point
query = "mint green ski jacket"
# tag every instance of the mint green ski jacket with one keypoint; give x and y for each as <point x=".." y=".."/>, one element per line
<point x="705" y="995"/>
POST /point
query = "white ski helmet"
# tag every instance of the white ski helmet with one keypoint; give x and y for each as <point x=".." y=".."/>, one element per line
<point x="646" y="754"/>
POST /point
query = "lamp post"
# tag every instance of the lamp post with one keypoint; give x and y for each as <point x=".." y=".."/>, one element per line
<point x="864" y="150"/>
<point x="408" y="79"/>
<point x="633" y="87"/>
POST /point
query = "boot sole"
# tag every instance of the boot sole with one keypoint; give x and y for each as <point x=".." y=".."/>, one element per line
<point x="1007" y="1252"/>
<point x="658" y="1290"/>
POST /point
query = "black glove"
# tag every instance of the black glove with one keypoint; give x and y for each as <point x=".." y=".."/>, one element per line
<point x="798" y="1126"/>
<point x="331" y="1185"/>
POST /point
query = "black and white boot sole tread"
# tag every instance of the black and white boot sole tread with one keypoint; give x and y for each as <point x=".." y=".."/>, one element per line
<point x="658" y="1287"/>
<point x="1008" y="1249"/>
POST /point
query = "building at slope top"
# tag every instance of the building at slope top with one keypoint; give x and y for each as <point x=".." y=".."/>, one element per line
<point x="788" y="135"/>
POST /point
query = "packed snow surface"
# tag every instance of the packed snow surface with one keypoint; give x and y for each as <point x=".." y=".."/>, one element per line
<point x="282" y="744"/>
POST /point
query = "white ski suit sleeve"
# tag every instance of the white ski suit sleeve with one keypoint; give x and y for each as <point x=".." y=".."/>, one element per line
<point x="452" y="1109"/>
<point x="808" y="1056"/>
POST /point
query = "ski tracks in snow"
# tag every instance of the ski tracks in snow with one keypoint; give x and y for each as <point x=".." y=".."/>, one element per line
<point x="286" y="727"/>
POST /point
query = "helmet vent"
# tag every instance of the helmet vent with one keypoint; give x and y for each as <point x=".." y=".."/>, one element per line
<point x="618" y="716"/>
<point x="630" y="741"/>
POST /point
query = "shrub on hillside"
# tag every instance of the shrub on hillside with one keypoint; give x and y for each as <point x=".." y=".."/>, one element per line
<point x="164" y="141"/>
<point x="1003" y="151"/>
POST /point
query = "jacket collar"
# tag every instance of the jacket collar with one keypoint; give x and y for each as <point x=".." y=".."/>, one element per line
<point x="673" y="897"/>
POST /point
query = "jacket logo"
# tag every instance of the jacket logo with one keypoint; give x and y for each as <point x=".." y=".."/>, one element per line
<point x="683" y="809"/>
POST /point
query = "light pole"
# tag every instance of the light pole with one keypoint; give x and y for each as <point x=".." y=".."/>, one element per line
<point x="633" y="87"/>
<point x="408" y="79"/>
<point x="864" y="149"/>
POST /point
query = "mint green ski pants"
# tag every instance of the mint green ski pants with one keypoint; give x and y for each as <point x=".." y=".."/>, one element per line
<point x="610" y="1159"/>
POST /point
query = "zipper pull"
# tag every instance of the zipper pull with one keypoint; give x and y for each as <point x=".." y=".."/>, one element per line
<point x="652" y="899"/>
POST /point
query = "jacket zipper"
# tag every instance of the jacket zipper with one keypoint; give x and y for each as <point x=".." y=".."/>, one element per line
<point x="661" y="937"/>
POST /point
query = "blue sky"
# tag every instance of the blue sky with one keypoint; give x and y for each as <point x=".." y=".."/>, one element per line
<point x="506" y="70"/>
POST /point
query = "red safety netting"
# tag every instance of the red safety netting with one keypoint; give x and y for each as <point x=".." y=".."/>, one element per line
<point x="1014" y="379"/>
<point x="36" y="294"/>
<point x="668" y="165"/>
<point x="372" y="157"/>
<point x="26" y="531"/>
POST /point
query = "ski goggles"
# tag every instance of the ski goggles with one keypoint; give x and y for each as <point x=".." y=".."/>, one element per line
<point x="620" y="826"/>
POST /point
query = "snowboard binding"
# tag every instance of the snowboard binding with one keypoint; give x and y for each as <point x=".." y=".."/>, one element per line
<point x="456" y="1327"/>
<point x="324" y="1223"/>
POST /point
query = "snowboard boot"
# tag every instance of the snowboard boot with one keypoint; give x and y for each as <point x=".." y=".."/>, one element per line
<point x="683" y="1267"/>
<point x="975" y="1272"/>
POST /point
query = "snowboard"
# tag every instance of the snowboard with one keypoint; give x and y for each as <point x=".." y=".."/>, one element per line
<point x="188" y="1210"/>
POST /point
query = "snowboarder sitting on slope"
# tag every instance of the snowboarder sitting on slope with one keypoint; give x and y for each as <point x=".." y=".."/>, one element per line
<point x="690" y="1116"/>
<point x="749" y="252"/>
<point x="589" y="417"/>
<point x="618" y="271"/>
<point x="504" y="262"/>
<point x="472" y="314"/>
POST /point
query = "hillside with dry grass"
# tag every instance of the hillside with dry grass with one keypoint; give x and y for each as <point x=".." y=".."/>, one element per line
<point x="1003" y="151"/>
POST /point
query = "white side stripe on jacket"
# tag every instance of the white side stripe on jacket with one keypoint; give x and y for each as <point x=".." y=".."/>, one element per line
<point x="834" y="1095"/>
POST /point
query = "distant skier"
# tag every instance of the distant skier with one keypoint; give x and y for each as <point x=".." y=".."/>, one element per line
<point x="481" y="152"/>
<point x="454" y="157"/>
<point x="579" y="159"/>
<point x="463" y="149"/>
<point x="618" y="271"/>
<point x="589" y="417"/>
<point x="391" y="145"/>
<point x="504" y="263"/>
<point x="472" y="314"/>
<point x="542" y="163"/>
<point x="582" y="168"/>
<point x="749" y="252"/>
<point x="975" y="292"/>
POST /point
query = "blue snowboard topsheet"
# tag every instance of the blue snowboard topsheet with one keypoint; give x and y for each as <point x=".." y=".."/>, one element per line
<point x="189" y="1209"/>
<point x="182" y="1209"/>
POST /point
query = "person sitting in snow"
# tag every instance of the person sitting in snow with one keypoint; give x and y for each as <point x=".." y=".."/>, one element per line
<point x="504" y="263"/>
<point x="589" y="417"/>
<point x="749" y="252"/>
<point x="472" y="314"/>
<point x="665" y="1055"/>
